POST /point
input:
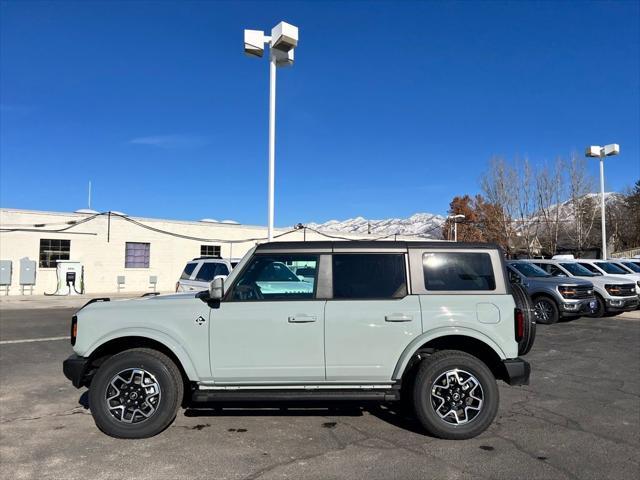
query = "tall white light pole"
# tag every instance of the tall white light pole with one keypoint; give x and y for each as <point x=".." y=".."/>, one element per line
<point x="455" y="219"/>
<point x="282" y="42"/>
<point x="601" y="152"/>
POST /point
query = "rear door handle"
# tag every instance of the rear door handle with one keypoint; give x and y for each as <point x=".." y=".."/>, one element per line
<point x="302" y="319"/>
<point x="398" y="317"/>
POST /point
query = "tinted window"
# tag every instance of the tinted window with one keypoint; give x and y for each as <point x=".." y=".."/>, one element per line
<point x="611" y="268"/>
<point x="513" y="276"/>
<point x="53" y="250"/>
<point x="267" y="277"/>
<point x="577" y="270"/>
<point x="551" y="269"/>
<point x="209" y="270"/>
<point x="188" y="270"/>
<point x="529" y="270"/>
<point x="136" y="255"/>
<point x="632" y="266"/>
<point x="362" y="275"/>
<point x="458" y="271"/>
<point x="591" y="268"/>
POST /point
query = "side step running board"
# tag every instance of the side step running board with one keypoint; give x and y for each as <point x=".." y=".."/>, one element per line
<point x="246" y="395"/>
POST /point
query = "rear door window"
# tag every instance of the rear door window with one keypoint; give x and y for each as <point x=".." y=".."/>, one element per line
<point x="209" y="270"/>
<point x="369" y="275"/>
<point x="458" y="271"/>
<point x="188" y="270"/>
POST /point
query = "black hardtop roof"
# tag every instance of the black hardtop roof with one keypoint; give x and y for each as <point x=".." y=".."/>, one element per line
<point x="372" y="244"/>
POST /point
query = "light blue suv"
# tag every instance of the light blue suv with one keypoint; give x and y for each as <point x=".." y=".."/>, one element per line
<point x="430" y="324"/>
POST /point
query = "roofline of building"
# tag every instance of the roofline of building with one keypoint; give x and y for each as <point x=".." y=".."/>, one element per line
<point x="140" y="219"/>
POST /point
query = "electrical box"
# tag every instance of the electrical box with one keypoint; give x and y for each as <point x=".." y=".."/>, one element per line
<point x="5" y="272"/>
<point x="27" y="271"/>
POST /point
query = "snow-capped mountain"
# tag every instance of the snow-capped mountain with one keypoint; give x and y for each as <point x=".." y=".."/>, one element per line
<point x="425" y="225"/>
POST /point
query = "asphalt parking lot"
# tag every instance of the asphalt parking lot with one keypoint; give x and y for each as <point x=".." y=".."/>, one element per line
<point x="579" y="418"/>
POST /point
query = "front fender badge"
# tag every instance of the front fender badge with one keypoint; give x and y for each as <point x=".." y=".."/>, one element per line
<point x="200" y="320"/>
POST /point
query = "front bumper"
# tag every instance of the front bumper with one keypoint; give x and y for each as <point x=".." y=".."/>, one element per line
<point x="578" y="307"/>
<point x="517" y="371"/>
<point x="75" y="369"/>
<point x="626" y="304"/>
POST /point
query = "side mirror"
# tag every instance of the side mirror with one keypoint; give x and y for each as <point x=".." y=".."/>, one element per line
<point x="216" y="287"/>
<point x="300" y="277"/>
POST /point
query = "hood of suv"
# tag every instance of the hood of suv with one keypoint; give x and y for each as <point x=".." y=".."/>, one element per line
<point x="557" y="281"/>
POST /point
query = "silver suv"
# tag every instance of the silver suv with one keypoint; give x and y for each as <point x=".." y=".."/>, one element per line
<point x="199" y="272"/>
<point x="433" y="325"/>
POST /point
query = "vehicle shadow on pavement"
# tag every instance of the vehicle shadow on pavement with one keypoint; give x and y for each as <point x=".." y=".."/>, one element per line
<point x="392" y="414"/>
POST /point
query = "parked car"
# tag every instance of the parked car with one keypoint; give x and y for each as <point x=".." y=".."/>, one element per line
<point x="199" y="272"/>
<point x="605" y="267"/>
<point x="431" y="324"/>
<point x="631" y="266"/>
<point x="552" y="297"/>
<point x="613" y="294"/>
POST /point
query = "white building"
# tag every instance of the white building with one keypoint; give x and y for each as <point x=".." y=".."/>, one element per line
<point x="111" y="246"/>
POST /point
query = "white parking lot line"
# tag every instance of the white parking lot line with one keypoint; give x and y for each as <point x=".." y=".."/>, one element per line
<point x="30" y="340"/>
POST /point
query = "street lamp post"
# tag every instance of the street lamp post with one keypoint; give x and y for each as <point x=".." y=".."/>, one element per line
<point x="596" y="151"/>
<point x="282" y="42"/>
<point x="455" y="219"/>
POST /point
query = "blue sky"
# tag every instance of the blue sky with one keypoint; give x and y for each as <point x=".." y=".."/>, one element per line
<point x="390" y="109"/>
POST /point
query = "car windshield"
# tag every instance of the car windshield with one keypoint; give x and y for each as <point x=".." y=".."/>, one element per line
<point x="529" y="270"/>
<point x="577" y="270"/>
<point x="632" y="266"/>
<point x="611" y="268"/>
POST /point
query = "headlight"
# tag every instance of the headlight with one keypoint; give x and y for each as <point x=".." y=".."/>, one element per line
<point x="568" y="292"/>
<point x="614" y="290"/>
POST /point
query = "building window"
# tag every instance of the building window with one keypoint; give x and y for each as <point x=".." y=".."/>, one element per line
<point x="210" y="251"/>
<point x="137" y="255"/>
<point x="53" y="250"/>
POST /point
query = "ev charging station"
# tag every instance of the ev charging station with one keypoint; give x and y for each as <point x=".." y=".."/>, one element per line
<point x="70" y="278"/>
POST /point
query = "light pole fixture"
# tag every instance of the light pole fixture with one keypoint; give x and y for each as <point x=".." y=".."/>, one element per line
<point x="282" y="42"/>
<point x="597" y="151"/>
<point x="455" y="219"/>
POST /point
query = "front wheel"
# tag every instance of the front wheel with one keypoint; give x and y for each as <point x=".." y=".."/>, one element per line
<point x="600" y="310"/>
<point x="546" y="310"/>
<point x="455" y="395"/>
<point x="135" y="394"/>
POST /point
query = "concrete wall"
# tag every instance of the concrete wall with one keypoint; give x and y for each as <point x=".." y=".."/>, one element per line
<point x="100" y="245"/>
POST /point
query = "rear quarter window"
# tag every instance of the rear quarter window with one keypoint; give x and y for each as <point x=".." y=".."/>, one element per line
<point x="458" y="271"/>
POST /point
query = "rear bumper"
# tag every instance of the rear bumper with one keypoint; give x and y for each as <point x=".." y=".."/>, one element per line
<point x="517" y="371"/>
<point x="75" y="368"/>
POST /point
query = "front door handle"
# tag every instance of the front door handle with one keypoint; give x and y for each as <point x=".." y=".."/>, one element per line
<point x="398" y="317"/>
<point x="302" y="319"/>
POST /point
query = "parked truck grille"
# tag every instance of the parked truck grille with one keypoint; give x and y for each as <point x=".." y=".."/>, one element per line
<point x="625" y="290"/>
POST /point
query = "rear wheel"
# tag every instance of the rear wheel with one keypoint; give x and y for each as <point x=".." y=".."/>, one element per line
<point x="546" y="310"/>
<point x="455" y="395"/>
<point x="135" y="394"/>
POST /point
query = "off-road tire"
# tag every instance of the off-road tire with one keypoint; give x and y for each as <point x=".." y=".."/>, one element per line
<point x="168" y="377"/>
<point x="524" y="304"/>
<point x="430" y="369"/>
